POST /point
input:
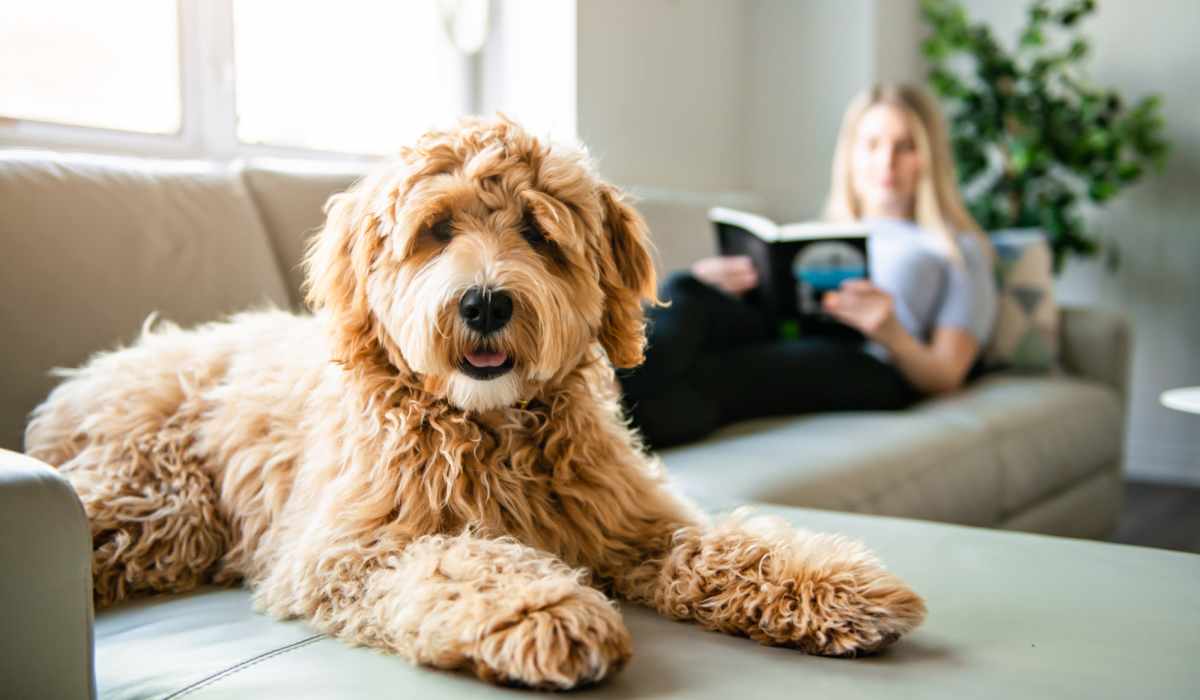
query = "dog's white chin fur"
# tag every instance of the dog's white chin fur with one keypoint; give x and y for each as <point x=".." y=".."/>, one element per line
<point x="483" y="394"/>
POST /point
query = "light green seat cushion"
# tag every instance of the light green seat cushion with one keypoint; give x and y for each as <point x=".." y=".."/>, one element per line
<point x="1010" y="616"/>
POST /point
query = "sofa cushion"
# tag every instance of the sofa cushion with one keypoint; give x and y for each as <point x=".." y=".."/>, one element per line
<point x="94" y="245"/>
<point x="913" y="463"/>
<point x="1047" y="432"/>
<point x="1090" y="508"/>
<point x="291" y="196"/>
<point x="1010" y="615"/>
<point x="975" y="457"/>
<point x="1026" y="333"/>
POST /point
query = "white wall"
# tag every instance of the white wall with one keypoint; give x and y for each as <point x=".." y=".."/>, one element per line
<point x="897" y="44"/>
<point x="1139" y="49"/>
<point x="661" y="86"/>
<point x="717" y="95"/>
<point x="807" y="59"/>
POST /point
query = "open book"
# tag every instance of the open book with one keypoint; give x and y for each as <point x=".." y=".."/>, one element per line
<point x="796" y="264"/>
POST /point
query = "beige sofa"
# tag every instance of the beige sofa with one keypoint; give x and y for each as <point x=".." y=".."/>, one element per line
<point x="92" y="246"/>
<point x="95" y="245"/>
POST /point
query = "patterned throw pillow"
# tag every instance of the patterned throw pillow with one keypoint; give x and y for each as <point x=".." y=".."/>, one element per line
<point x="1026" y="333"/>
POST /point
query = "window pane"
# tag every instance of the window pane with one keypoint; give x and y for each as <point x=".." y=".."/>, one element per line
<point x="112" y="64"/>
<point x="530" y="66"/>
<point x="358" y="76"/>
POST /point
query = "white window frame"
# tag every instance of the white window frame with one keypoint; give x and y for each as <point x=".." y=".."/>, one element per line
<point x="208" y="118"/>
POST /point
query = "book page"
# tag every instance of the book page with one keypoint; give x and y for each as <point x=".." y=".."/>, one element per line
<point x="821" y="229"/>
<point x="760" y="226"/>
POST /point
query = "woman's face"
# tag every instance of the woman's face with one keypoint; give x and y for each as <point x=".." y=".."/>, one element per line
<point x="885" y="165"/>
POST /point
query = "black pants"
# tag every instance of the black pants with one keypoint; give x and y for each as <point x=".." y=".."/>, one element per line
<point x="711" y="361"/>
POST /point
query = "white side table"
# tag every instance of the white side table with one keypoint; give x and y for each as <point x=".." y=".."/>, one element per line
<point x="1183" y="399"/>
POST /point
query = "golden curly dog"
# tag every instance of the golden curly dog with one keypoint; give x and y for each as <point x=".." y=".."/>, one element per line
<point x="436" y="463"/>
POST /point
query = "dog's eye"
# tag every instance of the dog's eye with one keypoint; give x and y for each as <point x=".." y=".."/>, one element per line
<point x="441" y="231"/>
<point x="532" y="233"/>
<point x="537" y="239"/>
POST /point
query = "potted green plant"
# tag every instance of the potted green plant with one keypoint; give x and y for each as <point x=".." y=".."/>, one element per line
<point x="1032" y="138"/>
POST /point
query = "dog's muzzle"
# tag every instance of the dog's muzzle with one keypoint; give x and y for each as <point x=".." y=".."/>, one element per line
<point x="485" y="311"/>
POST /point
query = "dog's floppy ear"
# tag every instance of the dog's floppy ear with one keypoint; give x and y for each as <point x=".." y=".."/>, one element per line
<point x="337" y="262"/>
<point x="627" y="278"/>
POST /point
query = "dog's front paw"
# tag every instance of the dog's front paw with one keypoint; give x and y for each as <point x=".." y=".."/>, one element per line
<point x="833" y="598"/>
<point x="860" y="610"/>
<point x="823" y="594"/>
<point x="577" y="640"/>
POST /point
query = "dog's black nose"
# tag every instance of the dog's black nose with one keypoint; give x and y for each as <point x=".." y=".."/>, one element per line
<point x="485" y="310"/>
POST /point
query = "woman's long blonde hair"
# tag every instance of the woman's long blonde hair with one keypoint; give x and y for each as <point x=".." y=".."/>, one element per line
<point x="939" y="207"/>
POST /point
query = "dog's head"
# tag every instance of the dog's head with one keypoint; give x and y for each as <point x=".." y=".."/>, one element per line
<point x="484" y="264"/>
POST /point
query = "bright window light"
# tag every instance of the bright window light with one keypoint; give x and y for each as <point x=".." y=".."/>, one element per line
<point x="530" y="67"/>
<point x="112" y="65"/>
<point x="356" y="76"/>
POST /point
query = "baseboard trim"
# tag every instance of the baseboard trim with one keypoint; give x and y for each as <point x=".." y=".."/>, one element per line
<point x="1166" y="477"/>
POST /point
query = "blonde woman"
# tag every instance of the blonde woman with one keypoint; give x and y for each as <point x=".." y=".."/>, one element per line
<point x="927" y="310"/>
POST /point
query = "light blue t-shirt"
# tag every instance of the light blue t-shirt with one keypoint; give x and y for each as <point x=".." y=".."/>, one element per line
<point x="928" y="289"/>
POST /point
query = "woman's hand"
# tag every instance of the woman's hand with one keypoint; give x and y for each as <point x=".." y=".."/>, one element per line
<point x="937" y="367"/>
<point x="862" y="305"/>
<point x="734" y="274"/>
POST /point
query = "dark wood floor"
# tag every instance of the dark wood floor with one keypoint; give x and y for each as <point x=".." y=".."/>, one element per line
<point x="1157" y="515"/>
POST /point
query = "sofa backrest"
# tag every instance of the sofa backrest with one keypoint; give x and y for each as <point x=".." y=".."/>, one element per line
<point x="91" y="246"/>
<point x="291" y="198"/>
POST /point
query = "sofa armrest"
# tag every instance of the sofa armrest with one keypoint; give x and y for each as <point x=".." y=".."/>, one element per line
<point x="45" y="584"/>
<point x="1096" y="344"/>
